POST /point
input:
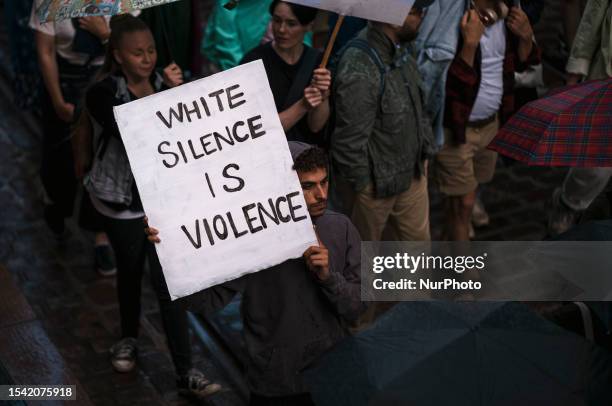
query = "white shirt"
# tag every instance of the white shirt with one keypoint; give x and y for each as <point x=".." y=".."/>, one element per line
<point x="64" y="33"/>
<point x="493" y="51"/>
<point x="112" y="213"/>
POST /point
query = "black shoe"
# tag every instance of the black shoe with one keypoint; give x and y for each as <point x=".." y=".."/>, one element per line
<point x="105" y="262"/>
<point x="195" y="384"/>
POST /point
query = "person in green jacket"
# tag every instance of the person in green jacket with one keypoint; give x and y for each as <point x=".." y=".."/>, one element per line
<point x="382" y="137"/>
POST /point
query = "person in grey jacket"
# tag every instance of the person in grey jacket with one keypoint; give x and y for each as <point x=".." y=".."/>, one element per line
<point x="295" y="311"/>
<point x="590" y="58"/>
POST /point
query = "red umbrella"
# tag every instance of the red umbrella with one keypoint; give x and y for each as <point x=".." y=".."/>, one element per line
<point x="571" y="127"/>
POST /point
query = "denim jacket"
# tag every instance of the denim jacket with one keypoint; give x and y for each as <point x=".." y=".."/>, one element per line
<point x="110" y="178"/>
<point x="435" y="48"/>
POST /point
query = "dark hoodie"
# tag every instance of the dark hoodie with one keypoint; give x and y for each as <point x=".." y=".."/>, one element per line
<point x="289" y="317"/>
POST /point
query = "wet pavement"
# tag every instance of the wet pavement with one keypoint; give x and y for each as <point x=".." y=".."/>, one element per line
<point x="77" y="309"/>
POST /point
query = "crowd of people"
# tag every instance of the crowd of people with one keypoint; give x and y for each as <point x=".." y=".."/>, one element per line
<point x="395" y="108"/>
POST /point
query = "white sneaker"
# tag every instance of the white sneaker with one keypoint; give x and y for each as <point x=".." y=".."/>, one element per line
<point x="561" y="217"/>
<point x="480" y="217"/>
<point x="123" y="354"/>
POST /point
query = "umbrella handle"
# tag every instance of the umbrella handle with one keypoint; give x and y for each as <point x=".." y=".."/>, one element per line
<point x="332" y="41"/>
<point x="162" y="23"/>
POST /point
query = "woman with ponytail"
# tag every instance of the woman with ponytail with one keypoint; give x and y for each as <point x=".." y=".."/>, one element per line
<point x="129" y="74"/>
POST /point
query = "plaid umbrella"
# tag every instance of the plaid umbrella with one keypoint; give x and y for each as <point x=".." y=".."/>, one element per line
<point x="571" y="127"/>
<point x="55" y="10"/>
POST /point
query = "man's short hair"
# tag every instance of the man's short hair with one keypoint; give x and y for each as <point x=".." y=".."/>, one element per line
<point x="310" y="160"/>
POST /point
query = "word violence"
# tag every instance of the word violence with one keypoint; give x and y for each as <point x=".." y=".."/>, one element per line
<point x="252" y="218"/>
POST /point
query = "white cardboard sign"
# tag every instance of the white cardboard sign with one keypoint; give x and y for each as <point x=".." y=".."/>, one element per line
<point x="387" y="11"/>
<point x="215" y="176"/>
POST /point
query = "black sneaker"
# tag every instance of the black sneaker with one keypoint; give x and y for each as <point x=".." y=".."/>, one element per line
<point x="123" y="354"/>
<point x="195" y="384"/>
<point x="105" y="262"/>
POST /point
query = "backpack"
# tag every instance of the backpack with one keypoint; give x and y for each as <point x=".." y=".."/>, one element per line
<point x="364" y="46"/>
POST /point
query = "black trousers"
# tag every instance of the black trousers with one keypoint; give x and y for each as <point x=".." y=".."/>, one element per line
<point x="57" y="167"/>
<point x="131" y="247"/>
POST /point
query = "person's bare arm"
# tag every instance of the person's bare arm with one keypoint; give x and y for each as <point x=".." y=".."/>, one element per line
<point x="291" y="116"/>
<point x="317" y="118"/>
<point x="97" y="25"/>
<point x="45" y="49"/>
<point x="519" y="24"/>
<point x="471" y="30"/>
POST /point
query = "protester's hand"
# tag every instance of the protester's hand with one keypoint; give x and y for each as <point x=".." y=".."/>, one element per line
<point x="173" y="75"/>
<point x="65" y="111"/>
<point x="573" y="79"/>
<point x="152" y="233"/>
<point x="519" y="24"/>
<point x="312" y="97"/>
<point x="322" y="79"/>
<point x="317" y="260"/>
<point x="471" y="28"/>
<point x="96" y="25"/>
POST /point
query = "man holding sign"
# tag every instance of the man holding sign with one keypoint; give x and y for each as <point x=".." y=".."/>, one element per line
<point x="295" y="311"/>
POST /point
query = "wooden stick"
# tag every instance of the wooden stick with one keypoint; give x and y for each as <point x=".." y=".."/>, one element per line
<point x="332" y="41"/>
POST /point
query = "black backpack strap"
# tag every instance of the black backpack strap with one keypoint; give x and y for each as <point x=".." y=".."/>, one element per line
<point x="302" y="79"/>
<point x="364" y="46"/>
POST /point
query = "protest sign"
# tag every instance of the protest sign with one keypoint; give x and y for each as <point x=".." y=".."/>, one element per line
<point x="55" y="10"/>
<point x="214" y="172"/>
<point x="387" y="11"/>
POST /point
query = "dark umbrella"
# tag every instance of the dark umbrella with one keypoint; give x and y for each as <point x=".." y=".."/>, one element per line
<point x="489" y="354"/>
<point x="593" y="231"/>
<point x="570" y="127"/>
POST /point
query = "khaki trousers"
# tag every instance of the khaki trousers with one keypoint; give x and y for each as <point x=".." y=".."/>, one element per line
<point x="406" y="214"/>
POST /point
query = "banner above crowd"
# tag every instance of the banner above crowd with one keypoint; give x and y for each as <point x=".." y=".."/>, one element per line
<point x="387" y="11"/>
<point x="55" y="10"/>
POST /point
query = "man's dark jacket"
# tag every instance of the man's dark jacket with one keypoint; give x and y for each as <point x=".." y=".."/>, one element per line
<point x="379" y="139"/>
<point x="289" y="317"/>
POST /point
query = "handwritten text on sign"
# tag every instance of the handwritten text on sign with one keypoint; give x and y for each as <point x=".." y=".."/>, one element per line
<point x="215" y="176"/>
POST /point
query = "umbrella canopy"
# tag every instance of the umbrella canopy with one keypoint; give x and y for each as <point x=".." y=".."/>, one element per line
<point x="593" y="231"/>
<point x="55" y="10"/>
<point x="571" y="127"/>
<point x="435" y="353"/>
